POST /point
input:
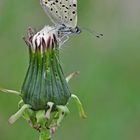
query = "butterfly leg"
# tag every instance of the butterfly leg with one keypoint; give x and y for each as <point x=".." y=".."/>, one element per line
<point x="63" y="40"/>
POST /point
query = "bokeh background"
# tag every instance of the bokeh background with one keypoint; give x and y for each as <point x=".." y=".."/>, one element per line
<point x="109" y="80"/>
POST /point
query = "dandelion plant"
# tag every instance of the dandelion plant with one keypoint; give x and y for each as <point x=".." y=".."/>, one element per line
<point x="45" y="92"/>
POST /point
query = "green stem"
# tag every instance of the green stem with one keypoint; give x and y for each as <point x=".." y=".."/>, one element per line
<point x="45" y="134"/>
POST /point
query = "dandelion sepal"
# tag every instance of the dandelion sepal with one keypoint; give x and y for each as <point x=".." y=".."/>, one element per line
<point x="10" y="91"/>
<point x="72" y="75"/>
<point x="19" y="114"/>
<point x="80" y="106"/>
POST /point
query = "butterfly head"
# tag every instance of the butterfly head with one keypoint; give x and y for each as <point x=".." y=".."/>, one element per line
<point x="75" y="30"/>
<point x="78" y="30"/>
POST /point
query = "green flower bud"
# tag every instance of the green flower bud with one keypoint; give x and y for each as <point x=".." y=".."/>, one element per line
<point x="45" y="81"/>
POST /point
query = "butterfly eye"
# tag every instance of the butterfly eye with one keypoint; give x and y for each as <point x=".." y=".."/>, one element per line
<point x="78" y="31"/>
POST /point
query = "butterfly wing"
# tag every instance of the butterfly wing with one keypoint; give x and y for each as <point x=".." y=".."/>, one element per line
<point x="70" y="13"/>
<point x="51" y="8"/>
<point x="61" y="11"/>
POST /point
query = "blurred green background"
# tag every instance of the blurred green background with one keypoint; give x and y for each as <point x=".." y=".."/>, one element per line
<point x="109" y="80"/>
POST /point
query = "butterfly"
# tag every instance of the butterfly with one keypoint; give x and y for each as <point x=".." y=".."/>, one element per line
<point x="63" y="13"/>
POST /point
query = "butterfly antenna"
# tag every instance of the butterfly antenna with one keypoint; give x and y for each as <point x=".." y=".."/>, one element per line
<point x="93" y="32"/>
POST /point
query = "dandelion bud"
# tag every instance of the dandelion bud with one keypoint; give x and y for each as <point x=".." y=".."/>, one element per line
<point x="45" y="81"/>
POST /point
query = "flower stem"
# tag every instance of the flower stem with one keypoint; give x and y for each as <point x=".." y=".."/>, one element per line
<point x="45" y="134"/>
